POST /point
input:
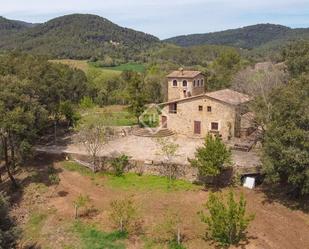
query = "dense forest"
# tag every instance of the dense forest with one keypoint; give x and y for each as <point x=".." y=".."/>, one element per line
<point x="247" y="37"/>
<point x="77" y="36"/>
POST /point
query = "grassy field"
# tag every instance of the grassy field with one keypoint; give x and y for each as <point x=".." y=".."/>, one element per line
<point x="132" y="181"/>
<point x="140" y="68"/>
<point x="110" y="116"/>
<point x="85" y="66"/>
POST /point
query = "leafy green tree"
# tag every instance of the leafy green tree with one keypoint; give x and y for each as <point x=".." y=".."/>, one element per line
<point x="68" y="111"/>
<point x="226" y="220"/>
<point x="137" y="96"/>
<point x="296" y="56"/>
<point x="212" y="158"/>
<point x="286" y="141"/>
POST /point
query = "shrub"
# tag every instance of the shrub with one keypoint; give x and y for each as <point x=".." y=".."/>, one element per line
<point x="81" y="202"/>
<point x="119" y="164"/>
<point x="227" y="220"/>
<point x="86" y="103"/>
<point x="211" y="159"/>
<point x="124" y="216"/>
<point x="8" y="233"/>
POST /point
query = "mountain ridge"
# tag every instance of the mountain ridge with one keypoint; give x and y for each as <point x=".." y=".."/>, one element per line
<point x="247" y="37"/>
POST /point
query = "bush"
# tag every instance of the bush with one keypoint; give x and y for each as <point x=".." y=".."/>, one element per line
<point x="8" y="233"/>
<point x="81" y="202"/>
<point x="211" y="159"/>
<point x="119" y="164"/>
<point x="227" y="220"/>
<point x="124" y="216"/>
<point x="86" y="103"/>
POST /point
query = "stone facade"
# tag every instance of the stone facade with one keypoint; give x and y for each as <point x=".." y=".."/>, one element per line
<point x="206" y="111"/>
<point x="200" y="113"/>
<point x="182" y="86"/>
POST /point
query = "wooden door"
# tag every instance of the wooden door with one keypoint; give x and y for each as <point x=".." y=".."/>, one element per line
<point x="164" y="122"/>
<point x="197" y="127"/>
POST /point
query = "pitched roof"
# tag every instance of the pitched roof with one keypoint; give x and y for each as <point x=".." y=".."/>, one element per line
<point x="226" y="95"/>
<point x="183" y="74"/>
<point x="229" y="96"/>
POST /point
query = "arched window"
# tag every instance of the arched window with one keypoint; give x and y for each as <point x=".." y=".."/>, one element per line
<point x="202" y="82"/>
<point x="175" y="82"/>
<point x="198" y="82"/>
<point x="184" y="83"/>
<point x="194" y="83"/>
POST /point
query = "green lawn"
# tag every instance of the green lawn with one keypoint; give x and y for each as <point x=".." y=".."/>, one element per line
<point x="140" y="68"/>
<point x="108" y="116"/>
<point x="93" y="238"/>
<point x="132" y="181"/>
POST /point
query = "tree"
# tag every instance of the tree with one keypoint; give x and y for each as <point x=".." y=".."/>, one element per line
<point x="67" y="110"/>
<point x="171" y="229"/>
<point x="137" y="96"/>
<point x="212" y="158"/>
<point x="226" y="220"/>
<point x="259" y="83"/>
<point x="168" y="149"/>
<point x="124" y="215"/>
<point x="92" y="137"/>
<point x="80" y="202"/>
<point x="286" y="141"/>
<point x="8" y="232"/>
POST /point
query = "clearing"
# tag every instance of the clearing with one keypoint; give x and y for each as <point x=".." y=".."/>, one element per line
<point x="45" y="212"/>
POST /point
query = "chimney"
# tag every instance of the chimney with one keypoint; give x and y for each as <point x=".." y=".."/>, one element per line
<point x="181" y="70"/>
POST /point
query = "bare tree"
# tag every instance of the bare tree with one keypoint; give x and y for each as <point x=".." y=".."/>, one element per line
<point x="259" y="82"/>
<point x="168" y="149"/>
<point x="93" y="137"/>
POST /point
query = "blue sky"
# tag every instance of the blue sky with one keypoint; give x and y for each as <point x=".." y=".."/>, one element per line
<point x="166" y="18"/>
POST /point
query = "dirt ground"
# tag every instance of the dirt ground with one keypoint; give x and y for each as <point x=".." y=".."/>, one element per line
<point x="276" y="226"/>
<point x="145" y="148"/>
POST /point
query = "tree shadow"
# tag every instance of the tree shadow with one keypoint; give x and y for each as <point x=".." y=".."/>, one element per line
<point x="284" y="196"/>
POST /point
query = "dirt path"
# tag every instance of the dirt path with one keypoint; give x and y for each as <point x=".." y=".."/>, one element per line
<point x="275" y="226"/>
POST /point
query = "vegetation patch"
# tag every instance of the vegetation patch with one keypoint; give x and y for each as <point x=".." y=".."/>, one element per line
<point x="132" y="180"/>
<point x="93" y="238"/>
<point x="33" y="227"/>
<point x="140" y="68"/>
<point x="107" y="117"/>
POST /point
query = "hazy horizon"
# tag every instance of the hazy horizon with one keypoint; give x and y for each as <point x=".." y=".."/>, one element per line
<point x="166" y="19"/>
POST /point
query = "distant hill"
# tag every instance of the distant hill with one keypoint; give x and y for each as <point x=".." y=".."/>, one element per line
<point x="76" y="36"/>
<point x="247" y="37"/>
<point x="8" y="27"/>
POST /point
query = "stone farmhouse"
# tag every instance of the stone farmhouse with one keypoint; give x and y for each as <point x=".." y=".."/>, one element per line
<point x="193" y="111"/>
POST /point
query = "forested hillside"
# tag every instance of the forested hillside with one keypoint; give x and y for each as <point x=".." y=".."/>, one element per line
<point x="78" y="36"/>
<point x="8" y="27"/>
<point x="247" y="37"/>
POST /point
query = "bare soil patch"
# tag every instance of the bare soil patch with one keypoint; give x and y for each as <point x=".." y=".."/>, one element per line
<point x="275" y="225"/>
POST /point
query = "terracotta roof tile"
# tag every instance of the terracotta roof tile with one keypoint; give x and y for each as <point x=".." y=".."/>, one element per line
<point x="183" y="74"/>
<point x="229" y="96"/>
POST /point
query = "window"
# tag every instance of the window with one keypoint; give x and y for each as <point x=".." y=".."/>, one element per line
<point x="200" y="108"/>
<point x="209" y="108"/>
<point x="175" y="83"/>
<point x="184" y="83"/>
<point x="202" y="82"/>
<point x="214" y="126"/>
<point x="194" y="83"/>
<point x="173" y="108"/>
<point x="198" y="82"/>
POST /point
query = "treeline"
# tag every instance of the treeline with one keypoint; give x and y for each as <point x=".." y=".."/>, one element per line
<point x="32" y="95"/>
